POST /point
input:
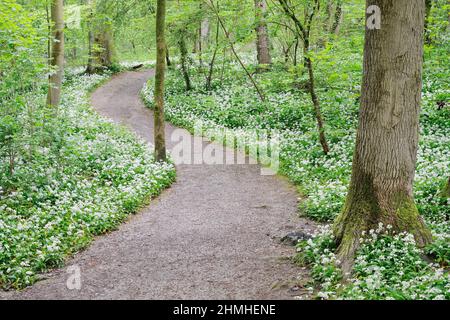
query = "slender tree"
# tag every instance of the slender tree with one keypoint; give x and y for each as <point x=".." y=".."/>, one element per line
<point x="303" y="31"/>
<point x="428" y="6"/>
<point x="57" y="53"/>
<point x="160" y="140"/>
<point x="262" y="35"/>
<point x="91" y="38"/>
<point x="381" y="188"/>
<point x="338" y="17"/>
<point x="184" y="57"/>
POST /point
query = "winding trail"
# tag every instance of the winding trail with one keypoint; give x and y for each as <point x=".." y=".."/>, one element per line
<point x="212" y="235"/>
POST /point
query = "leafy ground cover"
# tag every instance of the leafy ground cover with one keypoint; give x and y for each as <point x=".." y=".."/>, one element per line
<point x="76" y="175"/>
<point x="233" y="105"/>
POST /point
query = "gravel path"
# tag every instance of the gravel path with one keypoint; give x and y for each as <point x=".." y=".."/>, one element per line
<point x="213" y="235"/>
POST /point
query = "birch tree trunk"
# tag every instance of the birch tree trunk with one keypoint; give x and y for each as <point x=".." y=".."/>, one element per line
<point x="262" y="36"/>
<point x="57" y="53"/>
<point x="160" y="140"/>
<point x="381" y="188"/>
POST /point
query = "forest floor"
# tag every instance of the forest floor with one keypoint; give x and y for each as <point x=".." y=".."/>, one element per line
<point x="214" y="234"/>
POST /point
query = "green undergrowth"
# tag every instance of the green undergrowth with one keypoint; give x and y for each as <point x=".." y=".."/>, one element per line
<point x="76" y="175"/>
<point x="233" y="105"/>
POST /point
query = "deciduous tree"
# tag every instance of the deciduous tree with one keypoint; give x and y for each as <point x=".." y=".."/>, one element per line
<point x="381" y="188"/>
<point x="57" y="53"/>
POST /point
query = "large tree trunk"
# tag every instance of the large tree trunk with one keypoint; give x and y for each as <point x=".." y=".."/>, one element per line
<point x="160" y="140"/>
<point x="262" y="36"/>
<point x="104" y="57"/>
<point x="57" y="54"/>
<point x="381" y="188"/>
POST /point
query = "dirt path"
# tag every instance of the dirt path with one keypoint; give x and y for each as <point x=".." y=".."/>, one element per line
<point x="212" y="235"/>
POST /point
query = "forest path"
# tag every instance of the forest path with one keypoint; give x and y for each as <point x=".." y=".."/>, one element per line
<point x="212" y="235"/>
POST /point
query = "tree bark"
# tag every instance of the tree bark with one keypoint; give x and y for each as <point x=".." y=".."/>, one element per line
<point x="262" y="35"/>
<point x="316" y="104"/>
<point x="338" y="17"/>
<point x="381" y="188"/>
<point x="160" y="140"/>
<point x="104" y="39"/>
<point x="184" y="61"/>
<point x="213" y="59"/>
<point x="57" y="54"/>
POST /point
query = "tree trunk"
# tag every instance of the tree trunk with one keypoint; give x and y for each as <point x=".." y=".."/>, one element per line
<point x="338" y="17"/>
<point x="204" y="33"/>
<point x="160" y="140"/>
<point x="315" y="100"/>
<point x="57" y="54"/>
<point x="168" y="62"/>
<point x="184" y="61"/>
<point x="262" y="36"/>
<point x="105" y="56"/>
<point x="90" y="63"/>
<point x="381" y="188"/>
<point x="213" y="59"/>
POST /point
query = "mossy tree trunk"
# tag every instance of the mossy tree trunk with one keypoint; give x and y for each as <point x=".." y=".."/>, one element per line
<point x="57" y="53"/>
<point x="381" y="188"/>
<point x="104" y="52"/>
<point x="160" y="140"/>
<point x="262" y="35"/>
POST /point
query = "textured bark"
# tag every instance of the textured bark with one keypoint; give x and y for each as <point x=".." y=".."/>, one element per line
<point x="338" y="17"/>
<point x="381" y="188"/>
<point x="262" y="35"/>
<point x="57" y="53"/>
<point x="104" y="57"/>
<point x="160" y="140"/>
